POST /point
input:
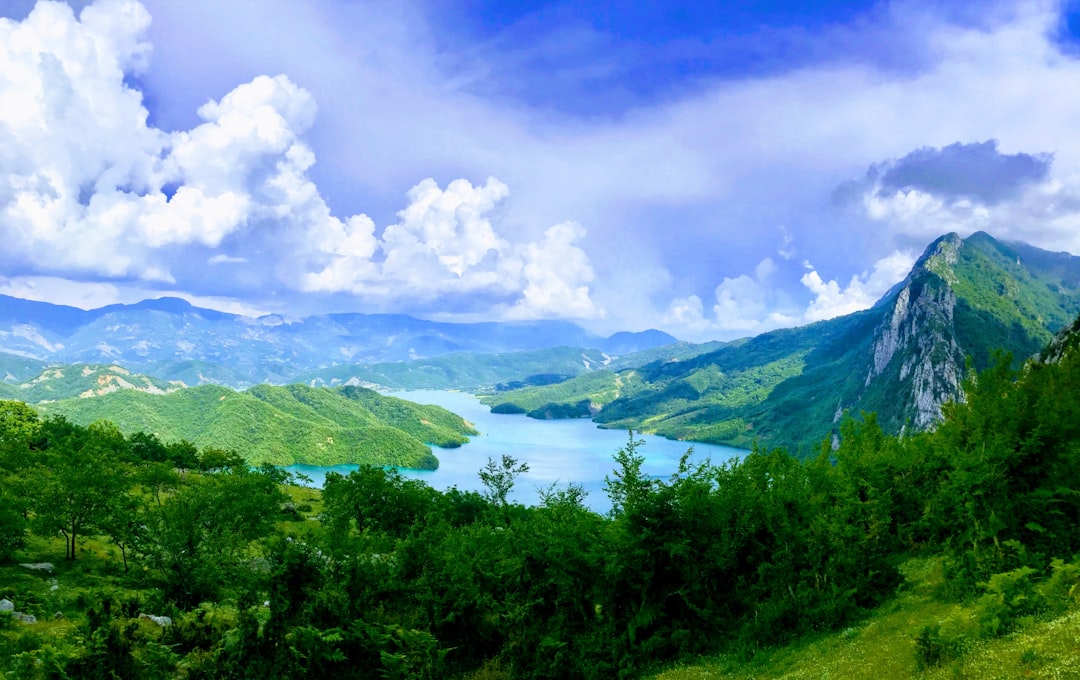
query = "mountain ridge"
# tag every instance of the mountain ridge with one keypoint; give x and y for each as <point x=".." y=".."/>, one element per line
<point x="902" y="358"/>
<point x="169" y="337"/>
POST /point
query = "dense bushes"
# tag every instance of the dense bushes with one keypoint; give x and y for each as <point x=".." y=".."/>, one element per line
<point x="399" y="580"/>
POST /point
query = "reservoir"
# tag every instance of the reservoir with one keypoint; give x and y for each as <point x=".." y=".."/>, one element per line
<point x="557" y="451"/>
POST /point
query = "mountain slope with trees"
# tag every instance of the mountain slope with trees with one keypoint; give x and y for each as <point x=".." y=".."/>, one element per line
<point x="282" y="425"/>
<point x="901" y="359"/>
<point x="395" y="579"/>
<point x="173" y="340"/>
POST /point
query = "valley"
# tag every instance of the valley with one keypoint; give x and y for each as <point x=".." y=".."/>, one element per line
<point x="904" y="485"/>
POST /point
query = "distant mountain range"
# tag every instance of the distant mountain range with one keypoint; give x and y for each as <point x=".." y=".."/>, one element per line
<point x="902" y="359"/>
<point x="963" y="299"/>
<point x="173" y="340"/>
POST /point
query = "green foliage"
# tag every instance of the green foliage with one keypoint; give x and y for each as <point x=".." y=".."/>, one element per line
<point x="399" y="580"/>
<point x="282" y="425"/>
<point x="498" y="478"/>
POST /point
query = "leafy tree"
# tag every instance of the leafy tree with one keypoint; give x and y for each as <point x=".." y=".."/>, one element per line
<point x="77" y="481"/>
<point x="498" y="478"/>
<point x="196" y="541"/>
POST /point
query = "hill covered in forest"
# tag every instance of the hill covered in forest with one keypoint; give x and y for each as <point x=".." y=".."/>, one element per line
<point x="901" y="359"/>
<point x="281" y="425"/>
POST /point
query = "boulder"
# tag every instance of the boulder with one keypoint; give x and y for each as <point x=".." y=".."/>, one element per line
<point x="46" y="567"/>
<point x="159" y="620"/>
<point x="7" y="606"/>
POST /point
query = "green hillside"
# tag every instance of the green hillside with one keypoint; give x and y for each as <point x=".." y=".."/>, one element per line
<point x="281" y="425"/>
<point x="943" y="554"/>
<point x="901" y="359"/>
<point x="85" y="380"/>
<point x="16" y="369"/>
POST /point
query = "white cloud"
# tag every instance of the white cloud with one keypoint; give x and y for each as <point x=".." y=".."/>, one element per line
<point x="745" y="305"/>
<point x="863" y="290"/>
<point x="748" y="305"/>
<point x="86" y="185"/>
<point x="221" y="258"/>
<point x="557" y="274"/>
<point x="445" y="243"/>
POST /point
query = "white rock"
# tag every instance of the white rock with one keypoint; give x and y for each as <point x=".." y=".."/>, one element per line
<point x="7" y="606"/>
<point x="46" y="567"/>
<point x="159" y="620"/>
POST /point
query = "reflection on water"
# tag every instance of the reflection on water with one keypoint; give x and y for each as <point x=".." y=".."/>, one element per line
<point x="557" y="451"/>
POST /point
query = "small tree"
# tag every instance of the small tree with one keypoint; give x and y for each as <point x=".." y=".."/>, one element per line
<point x="499" y="478"/>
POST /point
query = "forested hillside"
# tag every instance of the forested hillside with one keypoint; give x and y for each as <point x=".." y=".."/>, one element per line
<point x="398" y="580"/>
<point x="901" y="359"/>
<point x="282" y="425"/>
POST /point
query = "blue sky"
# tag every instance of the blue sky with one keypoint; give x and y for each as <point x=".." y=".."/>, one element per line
<point x="715" y="171"/>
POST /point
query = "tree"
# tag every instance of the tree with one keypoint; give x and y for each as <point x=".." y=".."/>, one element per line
<point x="77" y="481"/>
<point x="499" y="478"/>
<point x="196" y="540"/>
<point x="628" y="485"/>
<point x="18" y="426"/>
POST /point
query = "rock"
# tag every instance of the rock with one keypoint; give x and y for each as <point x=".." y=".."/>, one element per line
<point x="159" y="620"/>
<point x="25" y="618"/>
<point x="54" y="587"/>
<point x="46" y="567"/>
<point x="7" y="606"/>
<point x="57" y="616"/>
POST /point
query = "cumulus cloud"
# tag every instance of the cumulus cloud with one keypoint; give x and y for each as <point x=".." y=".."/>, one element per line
<point x="743" y="305"/>
<point x="445" y="243"/>
<point x="747" y="305"/>
<point x="831" y="299"/>
<point x="87" y="186"/>
<point x="967" y="188"/>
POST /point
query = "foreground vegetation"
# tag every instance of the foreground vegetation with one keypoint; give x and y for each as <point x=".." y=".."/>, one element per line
<point x="958" y="541"/>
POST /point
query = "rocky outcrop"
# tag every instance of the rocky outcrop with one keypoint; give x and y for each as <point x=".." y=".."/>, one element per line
<point x="1063" y="344"/>
<point x="917" y="342"/>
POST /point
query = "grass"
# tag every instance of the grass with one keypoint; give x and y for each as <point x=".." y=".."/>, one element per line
<point x="883" y="645"/>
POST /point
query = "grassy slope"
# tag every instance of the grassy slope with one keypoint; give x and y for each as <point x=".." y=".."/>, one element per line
<point x="883" y="645"/>
<point x="280" y="425"/>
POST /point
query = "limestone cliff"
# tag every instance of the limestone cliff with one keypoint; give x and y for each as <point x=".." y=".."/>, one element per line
<point x="915" y="348"/>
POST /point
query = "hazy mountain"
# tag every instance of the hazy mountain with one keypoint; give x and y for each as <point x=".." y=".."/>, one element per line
<point x="174" y="340"/>
<point x="963" y="299"/>
<point x="501" y="371"/>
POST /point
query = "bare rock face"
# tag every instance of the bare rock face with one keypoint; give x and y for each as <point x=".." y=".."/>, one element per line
<point x="918" y="337"/>
<point x="1063" y="344"/>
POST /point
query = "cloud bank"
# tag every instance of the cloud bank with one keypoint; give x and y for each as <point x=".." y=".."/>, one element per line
<point x="692" y="207"/>
<point x="88" y="186"/>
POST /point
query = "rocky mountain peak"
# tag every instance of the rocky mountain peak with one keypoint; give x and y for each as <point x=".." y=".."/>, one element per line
<point x="915" y="346"/>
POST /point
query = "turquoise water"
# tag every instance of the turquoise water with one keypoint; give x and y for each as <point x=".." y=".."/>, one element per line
<point x="557" y="451"/>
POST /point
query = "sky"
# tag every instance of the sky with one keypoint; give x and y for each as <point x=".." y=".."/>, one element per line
<point x="714" y="170"/>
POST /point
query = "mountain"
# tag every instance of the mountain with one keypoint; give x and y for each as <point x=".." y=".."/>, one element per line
<point x="83" y="380"/>
<point x="282" y="425"/>
<point x="963" y="299"/>
<point x="473" y="372"/>
<point x="173" y="340"/>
